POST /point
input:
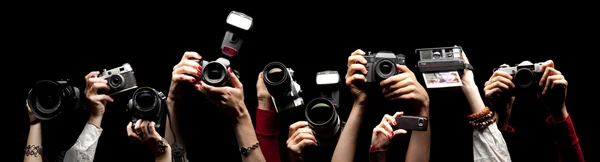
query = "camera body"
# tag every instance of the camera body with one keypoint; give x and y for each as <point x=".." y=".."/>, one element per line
<point x="321" y="112"/>
<point x="526" y="75"/>
<point x="216" y="73"/>
<point x="119" y="79"/>
<point x="148" y="104"/>
<point x="47" y="99"/>
<point x="382" y="65"/>
<point x="284" y="90"/>
<point x="440" y="59"/>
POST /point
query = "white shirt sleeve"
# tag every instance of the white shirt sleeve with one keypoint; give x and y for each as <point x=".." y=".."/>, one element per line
<point x="85" y="147"/>
<point x="489" y="145"/>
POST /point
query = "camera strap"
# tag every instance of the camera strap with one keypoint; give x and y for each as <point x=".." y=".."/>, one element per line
<point x="469" y="66"/>
<point x="178" y="153"/>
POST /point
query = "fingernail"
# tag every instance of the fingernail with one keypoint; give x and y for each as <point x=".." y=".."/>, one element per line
<point x="388" y="136"/>
<point x="200" y="83"/>
<point x="200" y="68"/>
<point x="193" y="80"/>
<point x="229" y="70"/>
<point x="197" y="86"/>
<point x="199" y="73"/>
<point x="395" y="123"/>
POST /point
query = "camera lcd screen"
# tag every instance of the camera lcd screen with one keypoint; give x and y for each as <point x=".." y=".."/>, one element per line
<point x="239" y="20"/>
<point x="325" y="79"/>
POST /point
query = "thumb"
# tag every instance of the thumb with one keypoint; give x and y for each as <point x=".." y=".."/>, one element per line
<point x="549" y="63"/>
<point x="403" y="68"/>
<point x="235" y="81"/>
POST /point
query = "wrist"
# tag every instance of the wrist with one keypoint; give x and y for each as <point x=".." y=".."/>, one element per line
<point x="265" y="104"/>
<point x="559" y="116"/>
<point x="424" y="111"/>
<point x="95" y="120"/>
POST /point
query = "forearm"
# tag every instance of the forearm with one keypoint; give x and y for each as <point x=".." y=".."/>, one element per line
<point x="346" y="146"/>
<point x="34" y="139"/>
<point x="96" y="119"/>
<point x="420" y="142"/>
<point x="246" y="137"/>
<point x="172" y="120"/>
<point x="267" y="130"/>
<point x="166" y="156"/>
<point x="378" y="156"/>
<point x="473" y="97"/>
<point x="503" y="120"/>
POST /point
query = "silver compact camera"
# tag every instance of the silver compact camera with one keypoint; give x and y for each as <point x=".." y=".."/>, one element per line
<point x="526" y="75"/>
<point x="119" y="79"/>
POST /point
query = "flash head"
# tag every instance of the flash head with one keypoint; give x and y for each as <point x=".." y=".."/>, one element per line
<point x="240" y="20"/>
<point x="329" y="77"/>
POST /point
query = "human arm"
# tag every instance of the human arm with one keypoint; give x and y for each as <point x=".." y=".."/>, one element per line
<point x="33" y="148"/>
<point x="382" y="134"/>
<point x="405" y="86"/>
<point x="267" y="124"/>
<point x="488" y="143"/>
<point x="560" y="125"/>
<point x="346" y="145"/>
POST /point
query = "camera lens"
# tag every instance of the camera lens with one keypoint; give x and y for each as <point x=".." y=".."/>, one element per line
<point x="322" y="117"/>
<point x="436" y="55"/>
<point x="145" y="100"/>
<point x="214" y="74"/>
<point x="275" y="75"/>
<point x="385" y="69"/>
<point x="320" y="113"/>
<point x="48" y="98"/>
<point x="524" y="78"/>
<point x="115" y="81"/>
<point x="421" y="122"/>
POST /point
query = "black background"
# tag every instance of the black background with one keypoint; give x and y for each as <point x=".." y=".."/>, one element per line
<point x="70" y="43"/>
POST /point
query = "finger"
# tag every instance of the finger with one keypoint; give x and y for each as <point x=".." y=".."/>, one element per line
<point x="91" y="74"/>
<point x="503" y="87"/>
<point x="399" y="131"/>
<point x="547" y="73"/>
<point x="138" y="126"/>
<point x="356" y="59"/>
<point x="296" y="126"/>
<point x="379" y="130"/>
<point x="358" y="52"/>
<point x="97" y="80"/>
<point x="214" y="90"/>
<point x="101" y="97"/>
<point x="397" y="114"/>
<point x="304" y="136"/>
<point x="386" y="126"/>
<point x="547" y="64"/>
<point x="403" y="68"/>
<point x="354" y="68"/>
<point x="394" y="79"/>
<point x="183" y="77"/>
<point x="493" y="92"/>
<point x="303" y="130"/>
<point x="504" y="80"/>
<point x="187" y="70"/>
<point x="550" y="82"/>
<point x="399" y="81"/>
<point x="260" y="79"/>
<point x="464" y="57"/>
<point x="130" y="132"/>
<point x="399" y="92"/>
<point x="96" y="86"/>
<point x="152" y="130"/>
<point x="501" y="74"/>
<point x="189" y="63"/>
<point x="306" y="142"/>
<point x="559" y="84"/>
<point x="389" y="119"/>
<point x="144" y="128"/>
<point x="235" y="81"/>
<point x="355" y="78"/>
<point x="191" y="55"/>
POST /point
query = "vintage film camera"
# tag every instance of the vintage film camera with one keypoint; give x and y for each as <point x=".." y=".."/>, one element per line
<point x="282" y="86"/>
<point x="215" y="73"/>
<point x="526" y="75"/>
<point x="321" y="112"/>
<point x="441" y="59"/>
<point x="119" y="79"/>
<point x="148" y="104"/>
<point x="47" y="99"/>
<point x="382" y="65"/>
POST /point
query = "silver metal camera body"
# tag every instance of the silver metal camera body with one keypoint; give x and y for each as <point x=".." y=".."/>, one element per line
<point x="526" y="75"/>
<point x="284" y="90"/>
<point x="119" y="79"/>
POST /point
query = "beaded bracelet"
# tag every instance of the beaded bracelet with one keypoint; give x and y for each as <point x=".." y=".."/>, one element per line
<point x="482" y="119"/>
<point x="246" y="150"/>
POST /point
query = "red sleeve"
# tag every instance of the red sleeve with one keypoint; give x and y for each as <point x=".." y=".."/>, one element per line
<point x="566" y="140"/>
<point x="268" y="134"/>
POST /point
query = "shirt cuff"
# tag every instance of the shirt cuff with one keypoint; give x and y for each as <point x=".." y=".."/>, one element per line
<point x="509" y="129"/>
<point x="563" y="132"/>
<point x="266" y="122"/>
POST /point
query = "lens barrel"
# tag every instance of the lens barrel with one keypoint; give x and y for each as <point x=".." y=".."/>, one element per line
<point x="323" y="118"/>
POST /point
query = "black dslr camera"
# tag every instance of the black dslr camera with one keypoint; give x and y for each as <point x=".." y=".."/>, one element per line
<point x="148" y="104"/>
<point x="321" y="112"/>
<point x="47" y="99"/>
<point x="215" y="73"/>
<point x="284" y="90"/>
<point x="526" y="75"/>
<point x="382" y="65"/>
<point x="441" y="59"/>
<point x="119" y="79"/>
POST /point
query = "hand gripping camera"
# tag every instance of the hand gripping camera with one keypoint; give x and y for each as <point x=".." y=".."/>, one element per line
<point x="526" y="75"/>
<point x="382" y="65"/>
<point x="284" y="90"/>
<point x="321" y="112"/>
<point x="441" y="59"/>
<point x="47" y="99"/>
<point x="148" y="104"/>
<point x="119" y="79"/>
<point x="215" y="73"/>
